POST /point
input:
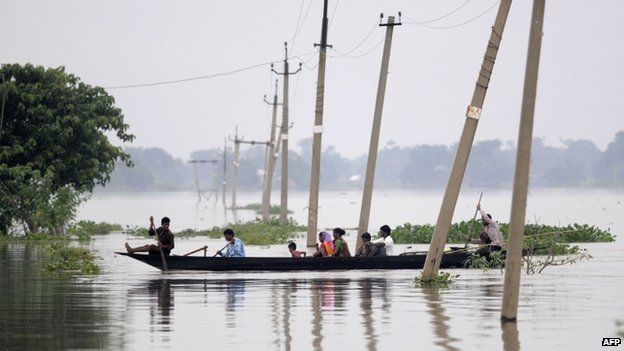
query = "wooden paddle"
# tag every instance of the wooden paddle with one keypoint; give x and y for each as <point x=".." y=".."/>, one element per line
<point x="226" y="245"/>
<point x="473" y="219"/>
<point x="160" y="249"/>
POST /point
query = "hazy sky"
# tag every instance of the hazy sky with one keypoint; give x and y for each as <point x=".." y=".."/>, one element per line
<point x="436" y="56"/>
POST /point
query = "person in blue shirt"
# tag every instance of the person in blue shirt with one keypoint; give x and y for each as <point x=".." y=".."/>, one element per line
<point x="236" y="248"/>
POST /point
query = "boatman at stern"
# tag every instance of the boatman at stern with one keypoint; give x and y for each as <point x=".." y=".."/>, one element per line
<point x="491" y="234"/>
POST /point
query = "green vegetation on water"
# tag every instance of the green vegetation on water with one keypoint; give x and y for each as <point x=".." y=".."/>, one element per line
<point x="462" y="231"/>
<point x="66" y="258"/>
<point x="258" y="232"/>
<point x="440" y="280"/>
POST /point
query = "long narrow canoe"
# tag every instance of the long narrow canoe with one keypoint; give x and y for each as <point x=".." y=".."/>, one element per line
<point x="453" y="259"/>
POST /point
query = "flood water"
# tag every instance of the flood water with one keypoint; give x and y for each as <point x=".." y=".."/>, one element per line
<point x="131" y="306"/>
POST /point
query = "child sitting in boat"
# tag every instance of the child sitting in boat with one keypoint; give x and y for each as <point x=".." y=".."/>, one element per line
<point x="370" y="249"/>
<point x="292" y="247"/>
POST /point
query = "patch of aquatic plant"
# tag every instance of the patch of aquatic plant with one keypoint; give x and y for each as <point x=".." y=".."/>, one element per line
<point x="460" y="232"/>
<point x="83" y="230"/>
<point x="274" y="209"/>
<point x="190" y="233"/>
<point x="258" y="232"/>
<point x="65" y="258"/>
<point x="439" y="280"/>
<point x="495" y="259"/>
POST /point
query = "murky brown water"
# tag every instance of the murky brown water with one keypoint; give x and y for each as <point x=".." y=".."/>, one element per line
<point x="131" y="306"/>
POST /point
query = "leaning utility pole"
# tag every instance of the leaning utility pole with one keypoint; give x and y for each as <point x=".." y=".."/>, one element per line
<point x="374" y="142"/>
<point x="317" y="133"/>
<point x="473" y="113"/>
<point x="268" y="178"/>
<point x="513" y="263"/>
<point x="284" y="190"/>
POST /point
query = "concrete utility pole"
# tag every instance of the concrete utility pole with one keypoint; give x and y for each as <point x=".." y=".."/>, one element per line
<point x="513" y="263"/>
<point x="224" y="170"/>
<point x="195" y="162"/>
<point x="374" y="142"/>
<point x="317" y="133"/>
<point x="473" y="113"/>
<point x="235" y="165"/>
<point x="268" y="179"/>
<point x="284" y="191"/>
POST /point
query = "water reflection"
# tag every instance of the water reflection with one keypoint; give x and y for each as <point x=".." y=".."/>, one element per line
<point x="367" y="299"/>
<point x="511" y="339"/>
<point x="48" y="311"/>
<point x="441" y="328"/>
<point x="160" y="314"/>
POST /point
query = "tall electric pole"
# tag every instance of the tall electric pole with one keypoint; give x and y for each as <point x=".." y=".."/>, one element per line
<point x="473" y="113"/>
<point x="374" y="142"/>
<point x="284" y="189"/>
<point x="224" y="170"/>
<point x="268" y="179"/>
<point x="513" y="262"/>
<point x="317" y="133"/>
<point x="235" y="165"/>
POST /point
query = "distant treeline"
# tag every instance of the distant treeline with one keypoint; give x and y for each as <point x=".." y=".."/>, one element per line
<point x="579" y="163"/>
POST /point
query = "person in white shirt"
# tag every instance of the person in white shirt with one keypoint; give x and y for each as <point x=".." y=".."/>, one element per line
<point x="386" y="239"/>
<point x="491" y="234"/>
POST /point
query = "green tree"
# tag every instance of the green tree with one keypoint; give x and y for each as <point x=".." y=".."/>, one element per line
<point x="54" y="145"/>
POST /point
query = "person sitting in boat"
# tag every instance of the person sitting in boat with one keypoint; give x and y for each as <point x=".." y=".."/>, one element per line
<point x="235" y="248"/>
<point x="368" y="248"/>
<point x="341" y="249"/>
<point x="386" y="239"/>
<point x="491" y="234"/>
<point x="164" y="239"/>
<point x="292" y="247"/>
<point x="325" y="247"/>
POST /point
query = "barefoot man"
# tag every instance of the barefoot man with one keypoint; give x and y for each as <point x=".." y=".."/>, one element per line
<point x="164" y="239"/>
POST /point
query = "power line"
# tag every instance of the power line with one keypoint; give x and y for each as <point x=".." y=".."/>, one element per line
<point x="184" y="80"/>
<point x="455" y="25"/>
<point x="438" y="18"/>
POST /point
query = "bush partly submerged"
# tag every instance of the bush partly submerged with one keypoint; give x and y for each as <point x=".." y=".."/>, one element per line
<point x="64" y="258"/>
<point x="258" y="232"/>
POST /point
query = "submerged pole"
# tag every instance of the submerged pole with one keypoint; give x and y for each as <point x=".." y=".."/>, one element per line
<point x="317" y="133"/>
<point x="473" y="113"/>
<point x="268" y="179"/>
<point x="513" y="263"/>
<point x="235" y="165"/>
<point x="374" y="141"/>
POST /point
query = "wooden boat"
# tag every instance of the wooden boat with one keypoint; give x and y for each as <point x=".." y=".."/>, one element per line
<point x="412" y="260"/>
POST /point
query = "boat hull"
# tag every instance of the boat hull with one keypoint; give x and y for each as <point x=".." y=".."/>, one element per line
<point x="200" y="263"/>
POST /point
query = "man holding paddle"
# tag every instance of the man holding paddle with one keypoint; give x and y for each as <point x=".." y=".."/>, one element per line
<point x="491" y="234"/>
<point x="164" y="238"/>
<point x="235" y="246"/>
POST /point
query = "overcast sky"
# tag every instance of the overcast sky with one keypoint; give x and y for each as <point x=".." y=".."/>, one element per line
<point x="225" y="47"/>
